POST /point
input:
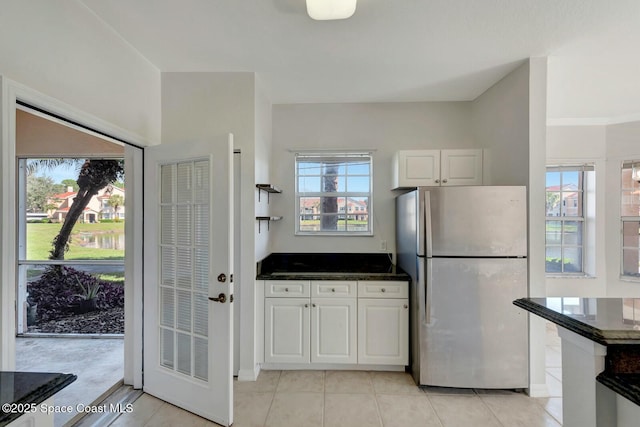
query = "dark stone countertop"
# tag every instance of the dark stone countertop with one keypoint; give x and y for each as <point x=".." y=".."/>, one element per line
<point x="329" y="266"/>
<point x="626" y="385"/>
<point x="25" y="388"/>
<point x="606" y="321"/>
<point x="612" y="322"/>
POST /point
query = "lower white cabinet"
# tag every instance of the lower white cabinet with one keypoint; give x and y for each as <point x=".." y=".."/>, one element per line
<point x="383" y="331"/>
<point x="339" y="322"/>
<point x="334" y="330"/>
<point x="286" y="330"/>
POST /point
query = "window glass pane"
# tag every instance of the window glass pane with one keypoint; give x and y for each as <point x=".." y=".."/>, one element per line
<point x="309" y="222"/>
<point x="359" y="168"/>
<point x="571" y="179"/>
<point x="554" y="232"/>
<point x="308" y="168"/>
<point x="630" y="203"/>
<point x="553" y="259"/>
<point x="572" y="233"/>
<point x="630" y="262"/>
<point x="572" y="260"/>
<point x="553" y="203"/>
<point x="628" y="183"/>
<point x="571" y="203"/>
<point x="359" y="184"/>
<point x="630" y="234"/>
<point x="331" y="223"/>
<point x="308" y="184"/>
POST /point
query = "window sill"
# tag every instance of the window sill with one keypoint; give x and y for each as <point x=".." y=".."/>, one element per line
<point x="630" y="279"/>
<point x="569" y="276"/>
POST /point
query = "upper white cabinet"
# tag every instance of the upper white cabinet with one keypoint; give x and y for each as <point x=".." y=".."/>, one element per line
<point x="429" y="168"/>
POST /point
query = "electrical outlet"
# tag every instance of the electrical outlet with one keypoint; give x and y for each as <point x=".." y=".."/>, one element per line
<point x="383" y="245"/>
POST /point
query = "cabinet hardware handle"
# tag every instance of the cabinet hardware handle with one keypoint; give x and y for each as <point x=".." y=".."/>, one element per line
<point x="333" y="289"/>
<point x="383" y="290"/>
<point x="313" y="305"/>
<point x="306" y="305"/>
<point x="405" y="306"/>
<point x="437" y="181"/>
<point x="444" y="180"/>
<point x="286" y="289"/>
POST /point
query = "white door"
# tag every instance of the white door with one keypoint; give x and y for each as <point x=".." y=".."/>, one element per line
<point x="188" y="353"/>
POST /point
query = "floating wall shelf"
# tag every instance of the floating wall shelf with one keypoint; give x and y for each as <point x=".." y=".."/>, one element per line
<point x="267" y="188"/>
<point x="268" y="219"/>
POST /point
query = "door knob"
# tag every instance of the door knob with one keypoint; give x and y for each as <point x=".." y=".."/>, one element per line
<point x="221" y="298"/>
<point x="222" y="278"/>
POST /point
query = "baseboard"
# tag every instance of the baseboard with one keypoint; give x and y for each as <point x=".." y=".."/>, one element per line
<point x="249" y="374"/>
<point x="538" y="390"/>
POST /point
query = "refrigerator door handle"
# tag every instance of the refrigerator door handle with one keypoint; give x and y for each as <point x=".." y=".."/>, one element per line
<point x="426" y="232"/>
<point x="424" y="306"/>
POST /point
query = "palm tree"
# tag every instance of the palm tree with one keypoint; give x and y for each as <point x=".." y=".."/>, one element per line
<point x="329" y="204"/>
<point x="94" y="175"/>
<point x="115" y="201"/>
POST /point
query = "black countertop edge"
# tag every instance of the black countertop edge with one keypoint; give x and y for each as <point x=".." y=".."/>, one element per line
<point x="574" y="325"/>
<point x="335" y="276"/>
<point x="626" y="385"/>
<point x="38" y="395"/>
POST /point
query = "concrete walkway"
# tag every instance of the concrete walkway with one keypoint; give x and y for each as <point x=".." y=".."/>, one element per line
<point x="98" y="363"/>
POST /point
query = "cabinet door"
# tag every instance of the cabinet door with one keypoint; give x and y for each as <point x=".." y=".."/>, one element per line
<point x="333" y="330"/>
<point x="286" y="326"/>
<point x="414" y="168"/>
<point x="383" y="331"/>
<point x="461" y="167"/>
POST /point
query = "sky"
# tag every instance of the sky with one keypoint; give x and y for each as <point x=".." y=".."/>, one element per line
<point x="60" y="173"/>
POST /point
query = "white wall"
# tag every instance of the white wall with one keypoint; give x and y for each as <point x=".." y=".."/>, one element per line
<point x="501" y="126"/>
<point x="381" y="127"/>
<point x="63" y="50"/>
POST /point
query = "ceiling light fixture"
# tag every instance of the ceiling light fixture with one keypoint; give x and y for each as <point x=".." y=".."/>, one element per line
<point x="322" y="10"/>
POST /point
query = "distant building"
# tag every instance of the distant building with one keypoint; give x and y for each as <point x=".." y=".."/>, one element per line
<point x="97" y="209"/>
<point x="355" y="209"/>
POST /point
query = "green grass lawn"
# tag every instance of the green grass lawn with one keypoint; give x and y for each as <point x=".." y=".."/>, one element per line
<point x="40" y="237"/>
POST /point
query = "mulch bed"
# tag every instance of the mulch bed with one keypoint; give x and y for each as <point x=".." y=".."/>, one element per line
<point x="109" y="321"/>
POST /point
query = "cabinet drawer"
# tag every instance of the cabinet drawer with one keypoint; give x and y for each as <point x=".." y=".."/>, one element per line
<point x="286" y="288"/>
<point x="383" y="289"/>
<point x="334" y="288"/>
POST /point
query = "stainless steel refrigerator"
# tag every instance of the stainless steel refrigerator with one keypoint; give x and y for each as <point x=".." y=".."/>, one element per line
<point x="465" y="249"/>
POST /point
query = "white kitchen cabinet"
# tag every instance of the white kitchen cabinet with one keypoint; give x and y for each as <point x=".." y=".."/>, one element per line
<point x="286" y="330"/>
<point x="383" y="323"/>
<point x="333" y="322"/>
<point x="416" y="168"/>
<point x="334" y="330"/>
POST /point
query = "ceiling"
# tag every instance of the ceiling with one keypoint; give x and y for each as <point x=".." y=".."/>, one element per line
<point x="398" y="50"/>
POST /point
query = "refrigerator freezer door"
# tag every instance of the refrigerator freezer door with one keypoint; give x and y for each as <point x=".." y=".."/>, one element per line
<point x="474" y="337"/>
<point x="478" y="221"/>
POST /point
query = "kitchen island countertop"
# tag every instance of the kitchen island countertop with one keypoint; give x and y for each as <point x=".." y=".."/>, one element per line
<point x="20" y="390"/>
<point x="611" y="322"/>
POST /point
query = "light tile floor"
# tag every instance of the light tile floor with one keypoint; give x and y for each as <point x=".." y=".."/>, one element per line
<point x="361" y="399"/>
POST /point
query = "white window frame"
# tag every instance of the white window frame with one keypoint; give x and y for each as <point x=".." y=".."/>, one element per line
<point x="334" y="155"/>
<point x="579" y="219"/>
<point x="624" y="219"/>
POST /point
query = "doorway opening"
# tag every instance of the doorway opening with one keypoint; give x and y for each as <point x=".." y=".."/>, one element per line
<point x="71" y="257"/>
